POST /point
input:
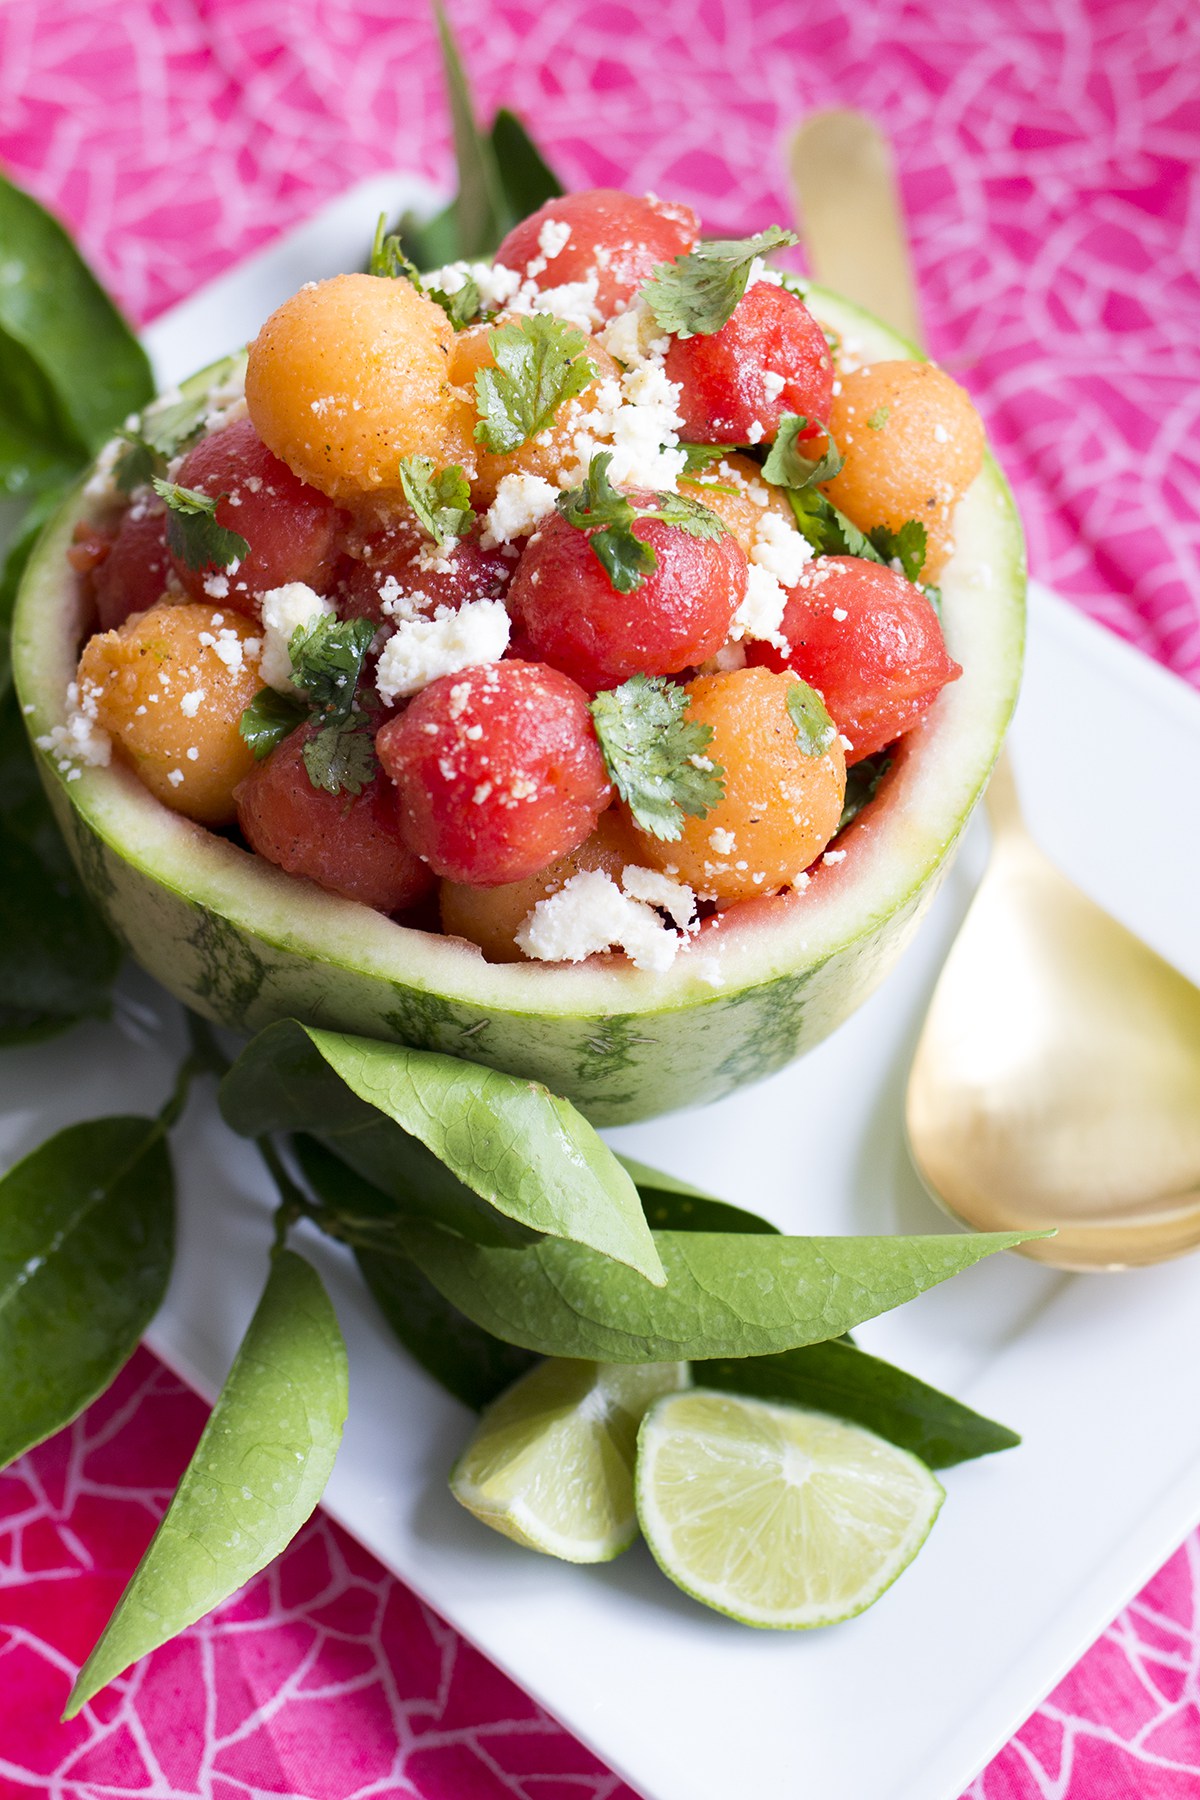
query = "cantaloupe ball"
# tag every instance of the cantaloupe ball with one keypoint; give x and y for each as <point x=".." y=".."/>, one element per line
<point x="350" y="375"/>
<point x="734" y="489"/>
<point x="913" y="444"/>
<point x="170" y="687"/>
<point x="491" y="917"/>
<point x="552" y="449"/>
<point x="780" y="807"/>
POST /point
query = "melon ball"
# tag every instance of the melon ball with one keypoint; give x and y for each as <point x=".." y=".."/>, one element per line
<point x="170" y="687"/>
<point x="735" y="490"/>
<point x="349" y="376"/>
<point x="780" y="806"/>
<point x="913" y="444"/>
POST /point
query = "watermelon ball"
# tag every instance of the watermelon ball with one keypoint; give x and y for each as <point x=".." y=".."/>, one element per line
<point x="768" y="359"/>
<point x="290" y="527"/>
<point x="869" y="642"/>
<point x="601" y="234"/>
<point x="498" y="771"/>
<point x="400" y="564"/>
<point x="133" y="575"/>
<point x="568" y="612"/>
<point x="347" y="843"/>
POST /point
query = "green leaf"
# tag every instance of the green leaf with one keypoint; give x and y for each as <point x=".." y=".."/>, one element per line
<point x="829" y="531"/>
<point x="540" y="365"/>
<point x="526" y="177"/>
<point x="461" y="306"/>
<point x="192" y="530"/>
<point x="726" y="1294"/>
<point x="340" y="757"/>
<point x="327" y="658"/>
<point x="39" y="447"/>
<point x="16" y="555"/>
<point x="441" y="499"/>
<point x="786" y="464"/>
<point x="165" y="428"/>
<point x="702" y="456"/>
<point x="53" y="308"/>
<point x="654" y="755"/>
<point x="674" y="1205"/>
<point x="609" y="514"/>
<point x="388" y="259"/>
<point x="696" y="294"/>
<point x="269" y="718"/>
<point x="862" y="783"/>
<point x="469" y="1363"/>
<point x="490" y="1155"/>
<point x="86" y="1239"/>
<point x="815" y="730"/>
<point x="481" y="213"/>
<point x="906" y="547"/>
<point x="840" y="1379"/>
<point x="259" y="1469"/>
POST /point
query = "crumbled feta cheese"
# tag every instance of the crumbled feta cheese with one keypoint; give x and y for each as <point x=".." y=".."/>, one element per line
<point x="839" y="613"/>
<point x="175" y="776"/>
<point x="940" y="434"/>
<point x="589" y="913"/>
<point x="216" y="585"/>
<point x="553" y="238"/>
<point x="284" y="610"/>
<point x="521" y="503"/>
<point x="780" y="549"/>
<point x="773" y="383"/>
<point x="761" y="613"/>
<point x="754" y="432"/>
<point x="833" y="856"/>
<point x="189" y="706"/>
<point x="656" y="889"/>
<point x="421" y="650"/>
<point x="634" y="336"/>
<point x="723" y="842"/>
<point x="79" y="739"/>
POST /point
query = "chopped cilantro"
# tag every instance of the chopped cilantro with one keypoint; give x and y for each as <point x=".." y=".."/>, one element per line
<point x="786" y="464"/>
<point x="341" y="757"/>
<point x="389" y="260"/>
<point x="702" y="456"/>
<point x="879" y="418"/>
<point x="441" y="500"/>
<point x="269" y="718"/>
<point x="827" y="529"/>
<point x="327" y="658"/>
<point x="540" y="365"/>
<point x="192" y="530"/>
<point x="815" y="730"/>
<point x="461" y="306"/>
<point x="655" y="755"/>
<point x="161" y="433"/>
<point x="696" y="294"/>
<point x="906" y="546"/>
<point x="610" y="515"/>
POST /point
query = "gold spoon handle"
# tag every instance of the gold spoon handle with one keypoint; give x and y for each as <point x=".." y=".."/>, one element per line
<point x="847" y="206"/>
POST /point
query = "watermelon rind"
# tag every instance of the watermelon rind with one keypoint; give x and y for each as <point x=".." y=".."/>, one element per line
<point x="245" y="944"/>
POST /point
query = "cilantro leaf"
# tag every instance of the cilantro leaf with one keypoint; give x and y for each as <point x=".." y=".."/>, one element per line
<point x="786" y="464"/>
<point x="696" y="294"/>
<point x="327" y="658"/>
<point x="441" y="500"/>
<point x="389" y="260"/>
<point x="655" y="756"/>
<point x="610" y="515"/>
<point x="815" y="730"/>
<point x="340" y="757"/>
<point x="269" y="718"/>
<point x="906" y="546"/>
<point x="540" y="365"/>
<point x="461" y="306"/>
<point x="161" y="433"/>
<point x="827" y="529"/>
<point x="192" y="530"/>
<point x="701" y="456"/>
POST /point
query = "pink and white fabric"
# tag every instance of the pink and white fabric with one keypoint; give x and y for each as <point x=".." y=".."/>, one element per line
<point x="1048" y="156"/>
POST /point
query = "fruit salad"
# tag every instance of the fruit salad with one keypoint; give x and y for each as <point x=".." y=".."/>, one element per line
<point x="562" y="604"/>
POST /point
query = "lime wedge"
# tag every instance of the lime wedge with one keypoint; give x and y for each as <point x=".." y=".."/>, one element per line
<point x="781" y="1517"/>
<point x="551" y="1461"/>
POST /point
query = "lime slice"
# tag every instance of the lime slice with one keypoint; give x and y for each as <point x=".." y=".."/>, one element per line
<point x="551" y="1461"/>
<point x="778" y="1516"/>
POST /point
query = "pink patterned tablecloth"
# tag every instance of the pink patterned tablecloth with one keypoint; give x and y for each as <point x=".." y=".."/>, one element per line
<point x="1049" y="154"/>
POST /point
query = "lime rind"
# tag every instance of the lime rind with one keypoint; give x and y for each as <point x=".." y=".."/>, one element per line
<point x="782" y="1518"/>
<point x="550" y="1464"/>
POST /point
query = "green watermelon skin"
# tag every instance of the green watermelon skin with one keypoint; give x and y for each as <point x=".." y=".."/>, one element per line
<point x="244" y="944"/>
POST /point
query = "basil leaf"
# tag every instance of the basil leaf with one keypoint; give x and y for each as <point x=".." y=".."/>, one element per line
<point x="39" y="447"/>
<point x="58" y="314"/>
<point x="492" y="1156"/>
<point x="269" y="718"/>
<point x="469" y="1362"/>
<point x="815" y="730"/>
<point x="727" y="1294"/>
<point x="840" y="1379"/>
<point x="257" y="1473"/>
<point x="86" y="1239"/>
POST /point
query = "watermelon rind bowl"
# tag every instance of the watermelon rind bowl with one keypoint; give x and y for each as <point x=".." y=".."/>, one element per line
<point x="245" y="944"/>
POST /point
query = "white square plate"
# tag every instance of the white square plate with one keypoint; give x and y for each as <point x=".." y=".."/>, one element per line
<point x="1035" y="1550"/>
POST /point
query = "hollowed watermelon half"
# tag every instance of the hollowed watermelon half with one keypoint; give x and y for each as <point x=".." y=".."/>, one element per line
<point x="245" y="944"/>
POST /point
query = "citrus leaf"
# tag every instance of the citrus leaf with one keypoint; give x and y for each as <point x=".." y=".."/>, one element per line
<point x="86" y="1239"/>
<point x="727" y="1294"/>
<point x="674" y="1205"/>
<point x="259" y="1469"/>
<point x="495" y="1157"/>
<point x="840" y="1379"/>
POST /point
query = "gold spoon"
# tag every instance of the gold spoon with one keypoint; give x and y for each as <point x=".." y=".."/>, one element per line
<point x="1056" y="1082"/>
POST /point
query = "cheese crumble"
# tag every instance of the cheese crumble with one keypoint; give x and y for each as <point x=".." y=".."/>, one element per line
<point x="422" y="650"/>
